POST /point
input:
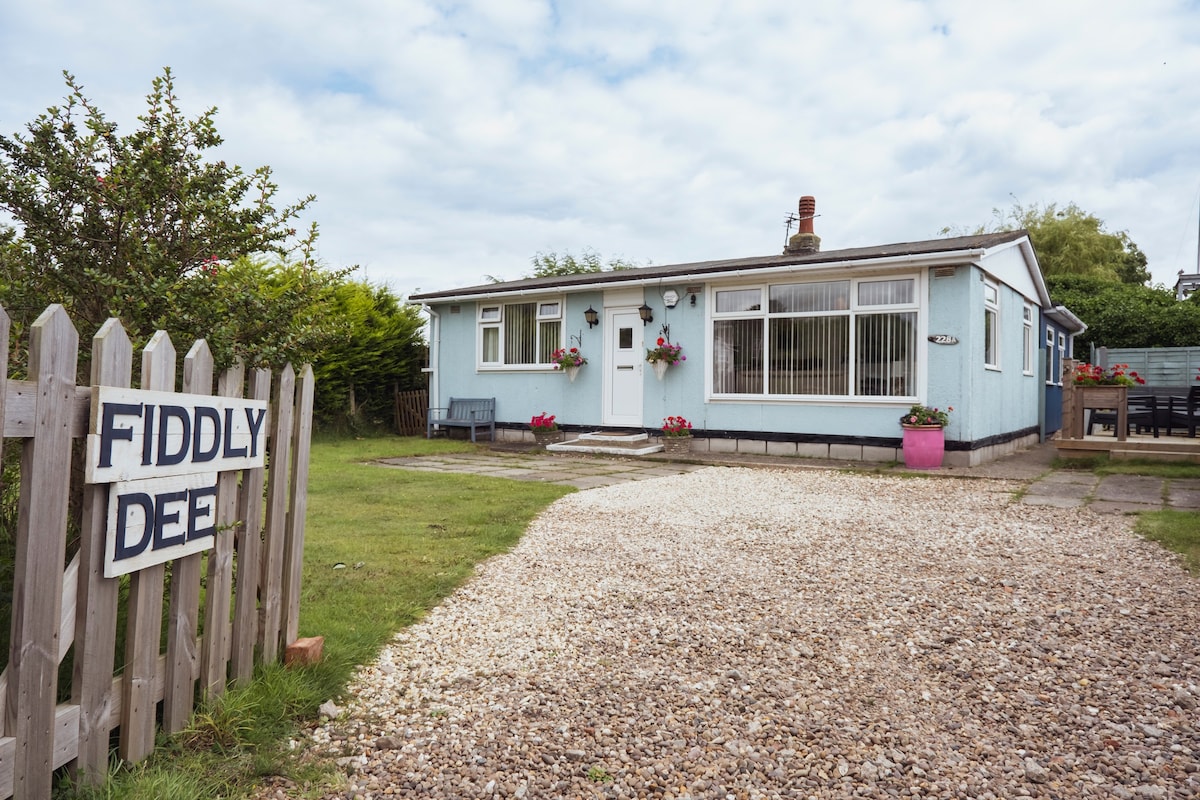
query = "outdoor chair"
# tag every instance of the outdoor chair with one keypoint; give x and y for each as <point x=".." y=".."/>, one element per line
<point x="1141" y="415"/>
<point x="1185" y="411"/>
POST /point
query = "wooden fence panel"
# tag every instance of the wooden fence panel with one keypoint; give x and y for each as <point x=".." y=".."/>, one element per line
<point x="40" y="552"/>
<point x="215" y="660"/>
<point x="293" y="549"/>
<point x="249" y="550"/>
<point x="411" y="411"/>
<point x="184" y="611"/>
<point x="55" y="609"/>
<point x="271" y="582"/>
<point x="142" y="630"/>
<point x="96" y="620"/>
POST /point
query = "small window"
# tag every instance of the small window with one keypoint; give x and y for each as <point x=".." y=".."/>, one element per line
<point x="490" y="313"/>
<point x="886" y="293"/>
<point x="733" y="301"/>
<point x="1028" y="342"/>
<point x="991" y="325"/>
<point x="625" y="338"/>
<point x="549" y="310"/>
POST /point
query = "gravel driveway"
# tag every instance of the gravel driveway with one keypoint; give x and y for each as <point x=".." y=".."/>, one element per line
<point x="738" y="633"/>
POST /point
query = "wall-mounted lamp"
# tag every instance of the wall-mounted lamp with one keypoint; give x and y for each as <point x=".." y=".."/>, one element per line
<point x="592" y="317"/>
<point x="646" y="313"/>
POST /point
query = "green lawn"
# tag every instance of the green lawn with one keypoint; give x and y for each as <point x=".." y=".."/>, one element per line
<point x="407" y="540"/>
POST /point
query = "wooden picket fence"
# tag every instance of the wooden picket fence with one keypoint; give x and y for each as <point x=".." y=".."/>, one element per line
<point x="411" y="411"/>
<point x="248" y="612"/>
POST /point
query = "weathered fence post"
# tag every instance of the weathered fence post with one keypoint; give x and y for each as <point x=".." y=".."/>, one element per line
<point x="271" y="583"/>
<point x="40" y="552"/>
<point x="294" y="544"/>
<point x="214" y="659"/>
<point x="184" y="610"/>
<point x="145" y="599"/>
<point x="96" y="620"/>
<point x="249" y="549"/>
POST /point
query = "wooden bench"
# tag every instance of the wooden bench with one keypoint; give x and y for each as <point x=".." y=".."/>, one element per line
<point x="464" y="412"/>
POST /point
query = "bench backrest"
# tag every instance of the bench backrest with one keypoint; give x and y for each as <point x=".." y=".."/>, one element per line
<point x="481" y="408"/>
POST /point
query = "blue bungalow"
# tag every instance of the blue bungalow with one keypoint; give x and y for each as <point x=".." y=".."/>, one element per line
<point x="806" y="353"/>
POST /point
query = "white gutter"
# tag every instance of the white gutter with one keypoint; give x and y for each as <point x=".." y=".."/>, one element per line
<point x="925" y="259"/>
<point x="435" y="350"/>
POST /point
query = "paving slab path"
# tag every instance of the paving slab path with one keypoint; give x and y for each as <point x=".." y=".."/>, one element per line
<point x="1111" y="494"/>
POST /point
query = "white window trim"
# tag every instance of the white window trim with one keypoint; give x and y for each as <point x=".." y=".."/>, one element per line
<point x="1028" y="341"/>
<point x="993" y="308"/>
<point x="498" y="324"/>
<point x="1050" y="357"/>
<point x="920" y="305"/>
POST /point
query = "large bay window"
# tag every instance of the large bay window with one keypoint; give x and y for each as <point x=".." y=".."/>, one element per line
<point x="830" y="338"/>
<point x="519" y="334"/>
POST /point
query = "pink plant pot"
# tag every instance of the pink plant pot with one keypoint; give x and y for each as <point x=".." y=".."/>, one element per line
<point x="924" y="446"/>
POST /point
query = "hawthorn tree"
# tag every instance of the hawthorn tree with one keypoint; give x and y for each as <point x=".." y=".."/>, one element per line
<point x="146" y="228"/>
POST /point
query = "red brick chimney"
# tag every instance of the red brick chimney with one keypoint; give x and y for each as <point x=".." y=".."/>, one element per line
<point x="805" y="241"/>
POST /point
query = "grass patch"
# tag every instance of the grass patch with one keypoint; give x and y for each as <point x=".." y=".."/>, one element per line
<point x="1175" y="530"/>
<point x="408" y="539"/>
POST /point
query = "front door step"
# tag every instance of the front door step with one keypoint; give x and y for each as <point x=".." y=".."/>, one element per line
<point x="609" y="443"/>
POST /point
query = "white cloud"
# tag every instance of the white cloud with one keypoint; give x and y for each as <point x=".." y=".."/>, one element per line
<point x="452" y="140"/>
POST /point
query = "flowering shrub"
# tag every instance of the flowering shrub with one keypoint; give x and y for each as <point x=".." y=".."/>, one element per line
<point x="924" y="415"/>
<point x="563" y="358"/>
<point x="666" y="352"/>
<point x="1116" y="375"/>
<point x="543" y="422"/>
<point x="676" y="426"/>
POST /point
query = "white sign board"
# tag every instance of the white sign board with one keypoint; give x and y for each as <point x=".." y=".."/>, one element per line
<point x="161" y="453"/>
<point x="158" y="519"/>
<point x="137" y="433"/>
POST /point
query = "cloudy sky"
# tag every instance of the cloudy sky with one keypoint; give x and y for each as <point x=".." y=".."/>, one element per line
<point x="447" y="141"/>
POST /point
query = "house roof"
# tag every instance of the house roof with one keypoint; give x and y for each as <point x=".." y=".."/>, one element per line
<point x="932" y="252"/>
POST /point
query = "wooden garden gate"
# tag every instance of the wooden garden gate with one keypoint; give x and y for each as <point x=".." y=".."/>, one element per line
<point x="213" y="635"/>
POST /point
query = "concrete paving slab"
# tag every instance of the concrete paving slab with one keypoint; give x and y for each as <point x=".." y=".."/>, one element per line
<point x="1121" y="507"/>
<point x="1051" y="500"/>
<point x="1130" y="489"/>
<point x="1078" y="491"/>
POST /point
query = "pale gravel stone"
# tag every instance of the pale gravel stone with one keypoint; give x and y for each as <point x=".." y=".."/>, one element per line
<point x="769" y="634"/>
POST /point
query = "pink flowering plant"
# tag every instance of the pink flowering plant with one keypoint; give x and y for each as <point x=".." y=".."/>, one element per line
<point x="1116" y="375"/>
<point x="924" y="415"/>
<point x="676" y="426"/>
<point x="666" y="352"/>
<point x="567" y="357"/>
<point x="543" y="422"/>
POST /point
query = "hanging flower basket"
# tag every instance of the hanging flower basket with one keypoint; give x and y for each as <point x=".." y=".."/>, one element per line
<point x="569" y="361"/>
<point x="664" y="354"/>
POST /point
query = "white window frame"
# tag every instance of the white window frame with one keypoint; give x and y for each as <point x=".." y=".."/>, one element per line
<point x="1052" y="376"/>
<point x="491" y="316"/>
<point x="1028" y="340"/>
<point x="917" y="306"/>
<point x="991" y="308"/>
<point x="1062" y="354"/>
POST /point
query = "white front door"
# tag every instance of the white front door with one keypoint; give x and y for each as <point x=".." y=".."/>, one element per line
<point x="623" y="359"/>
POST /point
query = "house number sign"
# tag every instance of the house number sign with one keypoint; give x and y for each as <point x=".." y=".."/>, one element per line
<point x="943" y="338"/>
<point x="160" y="453"/>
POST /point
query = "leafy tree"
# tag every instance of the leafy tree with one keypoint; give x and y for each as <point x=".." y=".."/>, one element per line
<point x="552" y="265"/>
<point x="1126" y="315"/>
<point x="1070" y="241"/>
<point x="144" y="228"/>
<point x="382" y="353"/>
